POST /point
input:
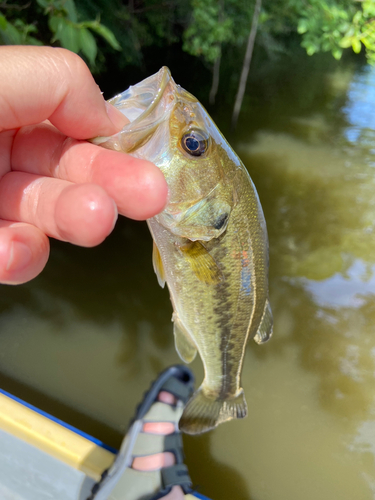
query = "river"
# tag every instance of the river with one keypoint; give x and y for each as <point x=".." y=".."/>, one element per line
<point x="84" y="339"/>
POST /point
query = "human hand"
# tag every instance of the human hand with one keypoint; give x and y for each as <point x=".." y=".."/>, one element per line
<point x="52" y="183"/>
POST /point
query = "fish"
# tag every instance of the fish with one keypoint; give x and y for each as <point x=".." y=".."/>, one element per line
<point x="210" y="243"/>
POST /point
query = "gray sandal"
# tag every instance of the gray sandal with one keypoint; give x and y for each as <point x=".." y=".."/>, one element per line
<point x="120" y="481"/>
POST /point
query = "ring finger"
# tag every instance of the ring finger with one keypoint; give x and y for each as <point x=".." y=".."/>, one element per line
<point x="82" y="214"/>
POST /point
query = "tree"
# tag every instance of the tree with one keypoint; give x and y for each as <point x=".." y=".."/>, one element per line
<point x="212" y="27"/>
<point x="207" y="28"/>
<point x="324" y="25"/>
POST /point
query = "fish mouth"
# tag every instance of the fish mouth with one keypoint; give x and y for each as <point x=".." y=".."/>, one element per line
<point x="146" y="106"/>
<point x="145" y="95"/>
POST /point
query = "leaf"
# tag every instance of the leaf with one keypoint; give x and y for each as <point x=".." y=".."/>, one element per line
<point x="356" y="45"/>
<point x="368" y="43"/>
<point x="43" y="3"/>
<point x="33" y="41"/>
<point x="343" y="27"/>
<point x="369" y="8"/>
<point x="351" y="31"/>
<point x="105" y="33"/>
<point x="31" y="28"/>
<point x="55" y="24"/>
<point x="11" y="35"/>
<point x="69" y="36"/>
<point x="88" y="44"/>
<point x="337" y="53"/>
<point x="302" y="26"/>
<point x="71" y="10"/>
<point x="346" y="42"/>
<point x="357" y="17"/>
<point x="311" y="49"/>
<point x="3" y="22"/>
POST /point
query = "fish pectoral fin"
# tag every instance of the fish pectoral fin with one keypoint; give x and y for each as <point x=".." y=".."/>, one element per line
<point x="264" y="332"/>
<point x="184" y="345"/>
<point x="158" y="265"/>
<point x="202" y="263"/>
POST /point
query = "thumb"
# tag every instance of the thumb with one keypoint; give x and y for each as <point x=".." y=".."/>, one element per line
<point x="41" y="83"/>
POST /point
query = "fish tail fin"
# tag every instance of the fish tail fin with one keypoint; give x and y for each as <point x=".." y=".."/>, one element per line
<point x="203" y="413"/>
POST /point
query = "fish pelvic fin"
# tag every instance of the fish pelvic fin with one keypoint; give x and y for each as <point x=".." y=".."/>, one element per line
<point x="265" y="329"/>
<point x="185" y="347"/>
<point x="203" y="413"/>
<point x="158" y="265"/>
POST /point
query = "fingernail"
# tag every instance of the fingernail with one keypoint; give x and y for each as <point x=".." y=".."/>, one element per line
<point x="117" y="118"/>
<point x="19" y="257"/>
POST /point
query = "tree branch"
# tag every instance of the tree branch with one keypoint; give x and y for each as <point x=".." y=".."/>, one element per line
<point x="5" y="5"/>
<point x="246" y="63"/>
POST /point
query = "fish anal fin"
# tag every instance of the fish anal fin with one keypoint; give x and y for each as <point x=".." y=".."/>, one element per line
<point x="265" y="331"/>
<point x="158" y="265"/>
<point x="202" y="263"/>
<point x="202" y="413"/>
<point x="184" y="345"/>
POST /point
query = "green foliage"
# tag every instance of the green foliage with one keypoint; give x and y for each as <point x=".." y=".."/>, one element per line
<point x="209" y="28"/>
<point x="214" y="24"/>
<point x="138" y="24"/>
<point x="63" y="21"/>
<point x="17" y="33"/>
<point x="362" y="31"/>
<point x="65" y="28"/>
<point x="336" y="25"/>
<point x="206" y="28"/>
<point x="324" y="25"/>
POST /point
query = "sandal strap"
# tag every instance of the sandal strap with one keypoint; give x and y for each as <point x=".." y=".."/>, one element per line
<point x="162" y="412"/>
<point x="152" y="485"/>
<point x="180" y="390"/>
<point x="184" y="382"/>
<point x="176" y="475"/>
<point x="173" y="443"/>
<point x="149" y="444"/>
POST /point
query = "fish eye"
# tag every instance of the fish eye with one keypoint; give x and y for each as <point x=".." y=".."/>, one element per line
<point x="194" y="142"/>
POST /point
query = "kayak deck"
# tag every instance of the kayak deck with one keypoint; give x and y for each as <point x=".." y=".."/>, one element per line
<point x="43" y="458"/>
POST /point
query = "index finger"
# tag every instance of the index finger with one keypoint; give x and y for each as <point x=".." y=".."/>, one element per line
<point x="52" y="83"/>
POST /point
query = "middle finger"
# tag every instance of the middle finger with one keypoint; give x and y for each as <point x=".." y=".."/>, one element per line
<point x="137" y="186"/>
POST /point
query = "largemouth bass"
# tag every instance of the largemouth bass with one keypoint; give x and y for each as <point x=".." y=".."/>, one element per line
<point x="210" y="242"/>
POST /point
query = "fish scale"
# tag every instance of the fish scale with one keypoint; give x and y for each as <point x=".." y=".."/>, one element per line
<point x="210" y="242"/>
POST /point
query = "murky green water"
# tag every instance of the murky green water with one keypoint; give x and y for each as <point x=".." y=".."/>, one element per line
<point x="84" y="339"/>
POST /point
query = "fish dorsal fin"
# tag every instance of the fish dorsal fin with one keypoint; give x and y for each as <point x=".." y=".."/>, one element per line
<point x="158" y="265"/>
<point x="202" y="263"/>
<point x="264" y="332"/>
<point x="184" y="345"/>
